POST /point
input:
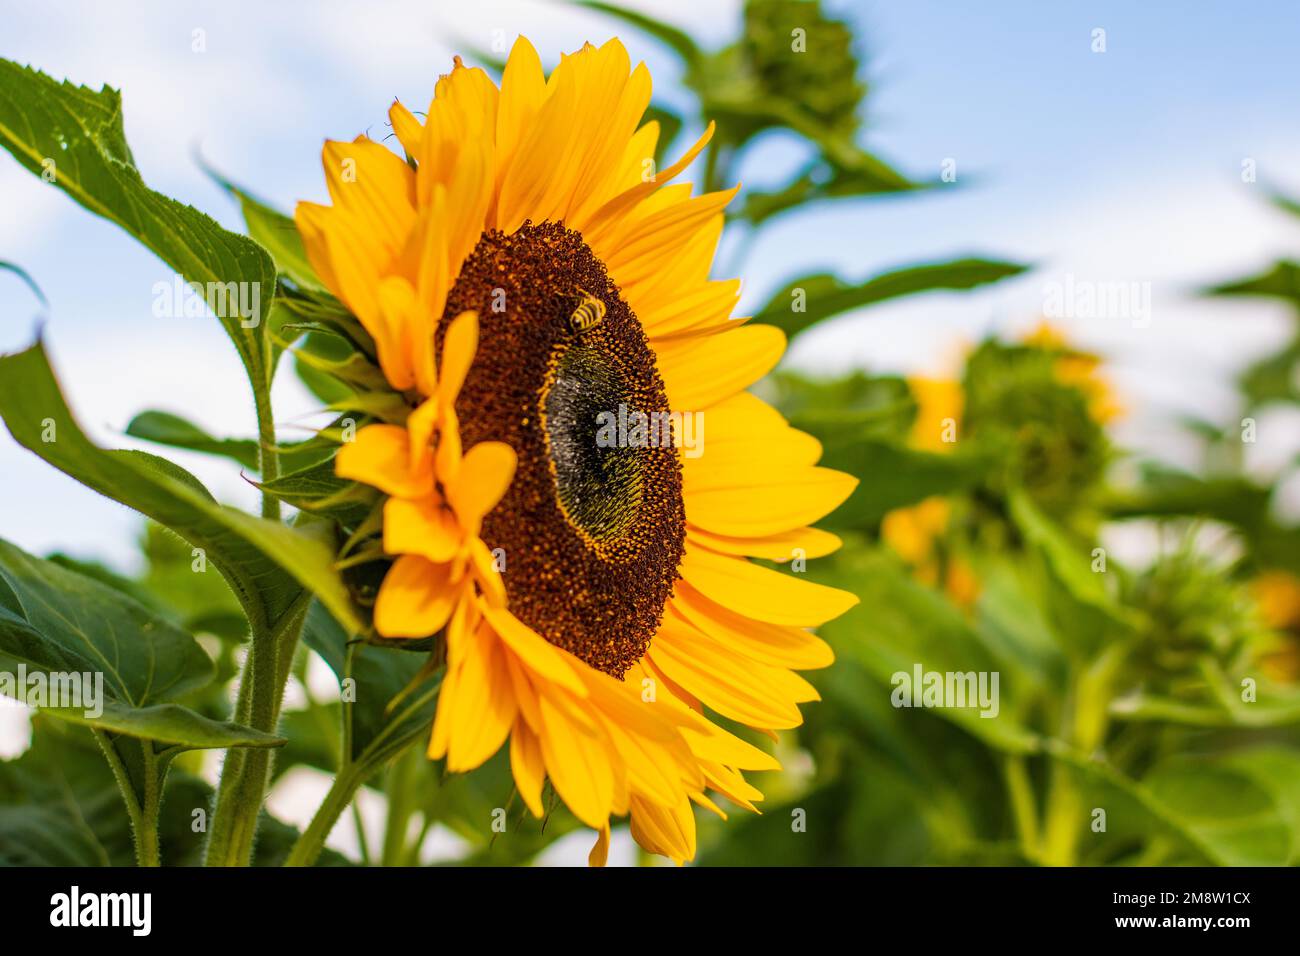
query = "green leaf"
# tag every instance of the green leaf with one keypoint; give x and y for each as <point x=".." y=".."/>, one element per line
<point x="1281" y="281"/>
<point x="826" y="295"/>
<point x="174" y="431"/>
<point x="266" y="563"/>
<point x="1084" y="613"/>
<point x="1286" y="203"/>
<point x="318" y="490"/>
<point x="1070" y="562"/>
<point x="1274" y="378"/>
<point x="894" y="476"/>
<point x="900" y="624"/>
<point x="394" y="699"/>
<point x="170" y="724"/>
<point x="676" y="40"/>
<point x="1244" y="808"/>
<point x="59" y="803"/>
<point x="822" y="181"/>
<point x="77" y="134"/>
<point x="27" y="280"/>
<point x="840" y="411"/>
<point x="60" y="806"/>
<point x="1278" y="706"/>
<point x="54" y="621"/>
<point x="275" y="232"/>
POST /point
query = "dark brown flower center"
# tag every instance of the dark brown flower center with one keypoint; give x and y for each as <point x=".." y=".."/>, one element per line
<point x="593" y="525"/>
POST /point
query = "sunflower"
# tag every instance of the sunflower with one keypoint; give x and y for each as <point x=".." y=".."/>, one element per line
<point x="527" y="275"/>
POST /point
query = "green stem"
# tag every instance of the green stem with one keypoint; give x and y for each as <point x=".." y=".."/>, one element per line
<point x="352" y="775"/>
<point x="268" y="454"/>
<point x="345" y="786"/>
<point x="1085" y="721"/>
<point x="245" y="774"/>
<point x="245" y="771"/>
<point x="143" y="812"/>
<point x="402" y="776"/>
<point x="1023" y="805"/>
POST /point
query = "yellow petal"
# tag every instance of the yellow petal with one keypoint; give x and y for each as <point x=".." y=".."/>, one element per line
<point x="458" y="348"/>
<point x="423" y="526"/>
<point x="485" y="706"/>
<point x="773" y="643"/>
<point x="737" y="687"/>
<point x="783" y="546"/>
<point x="630" y="197"/>
<point x="578" y="763"/>
<point x="599" y="854"/>
<point x="415" y="600"/>
<point x="523" y="88"/>
<point x="768" y="504"/>
<point x="668" y="831"/>
<point x="380" y="455"/>
<point x="760" y="593"/>
<point x="408" y="129"/>
<point x="533" y="651"/>
<point x="704" y="371"/>
<point x="527" y="766"/>
<point x="484" y="477"/>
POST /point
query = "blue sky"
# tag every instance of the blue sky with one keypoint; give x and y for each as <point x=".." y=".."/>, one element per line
<point x="1119" y="166"/>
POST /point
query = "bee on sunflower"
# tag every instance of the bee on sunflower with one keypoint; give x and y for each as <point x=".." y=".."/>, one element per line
<point x="525" y="272"/>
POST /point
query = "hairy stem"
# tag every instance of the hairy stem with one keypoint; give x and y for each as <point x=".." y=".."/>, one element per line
<point x="268" y="453"/>
<point x="345" y="786"/>
<point x="142" y="809"/>
<point x="246" y="771"/>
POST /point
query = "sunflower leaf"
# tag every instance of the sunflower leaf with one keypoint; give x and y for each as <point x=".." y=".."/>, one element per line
<point x="870" y="177"/>
<point x="60" y="806"/>
<point x="74" y="136"/>
<point x="174" y="431"/>
<point x="893" y="476"/>
<point x="53" y="619"/>
<point x="168" y="429"/>
<point x="56" y="623"/>
<point x="274" y="231"/>
<point x="901" y="625"/>
<point x="673" y="38"/>
<point x="813" y="298"/>
<point x="1281" y="281"/>
<point x="266" y="563"/>
<point x="27" y="280"/>
<point x="170" y="724"/>
<point x="318" y="490"/>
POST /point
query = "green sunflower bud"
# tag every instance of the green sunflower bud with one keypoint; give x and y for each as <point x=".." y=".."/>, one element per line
<point x="798" y="54"/>
<point x="1193" y="612"/>
<point x="1038" y="427"/>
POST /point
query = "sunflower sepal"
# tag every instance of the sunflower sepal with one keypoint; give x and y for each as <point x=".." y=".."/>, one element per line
<point x="319" y="490"/>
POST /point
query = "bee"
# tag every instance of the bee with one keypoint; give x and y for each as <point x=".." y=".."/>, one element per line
<point x="589" y="314"/>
